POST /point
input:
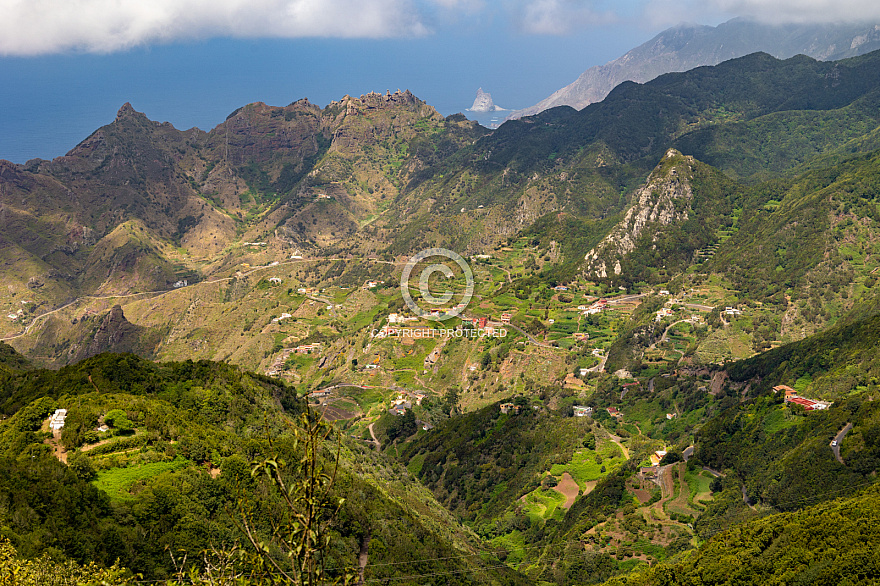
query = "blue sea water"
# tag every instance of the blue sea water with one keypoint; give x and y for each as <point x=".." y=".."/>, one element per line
<point x="49" y="104"/>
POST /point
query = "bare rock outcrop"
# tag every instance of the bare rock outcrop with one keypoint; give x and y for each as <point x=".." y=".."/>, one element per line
<point x="663" y="200"/>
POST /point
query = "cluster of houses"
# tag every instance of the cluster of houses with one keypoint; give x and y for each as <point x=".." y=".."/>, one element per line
<point x="663" y="313"/>
<point x="657" y="457"/>
<point x="181" y="283"/>
<point x="396" y="318"/>
<point x="277" y="366"/>
<point x="582" y="411"/>
<point x="282" y="317"/>
<point x="791" y="396"/>
<point x="307" y="291"/>
<point x="307" y="348"/>
<point x="509" y="408"/>
<point x="732" y="311"/>
<point x="373" y="284"/>
<point x="400" y="406"/>
<point x="596" y="307"/>
<point x="403" y="402"/>
<point x="275" y="280"/>
<point x="57" y="420"/>
<point x="320" y="395"/>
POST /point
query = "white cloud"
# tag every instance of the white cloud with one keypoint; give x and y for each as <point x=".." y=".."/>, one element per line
<point x="465" y="5"/>
<point x="33" y="27"/>
<point x="560" y="17"/>
<point x="668" y="12"/>
<point x="779" y="11"/>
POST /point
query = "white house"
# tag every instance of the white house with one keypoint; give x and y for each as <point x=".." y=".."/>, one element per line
<point x="57" y="421"/>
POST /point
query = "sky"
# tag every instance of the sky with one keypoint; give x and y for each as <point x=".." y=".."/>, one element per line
<point x="66" y="66"/>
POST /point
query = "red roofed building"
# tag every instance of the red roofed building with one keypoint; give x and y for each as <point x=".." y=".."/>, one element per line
<point x="808" y="404"/>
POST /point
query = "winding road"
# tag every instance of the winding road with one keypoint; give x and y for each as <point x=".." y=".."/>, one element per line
<point x="161" y="292"/>
<point x="838" y="439"/>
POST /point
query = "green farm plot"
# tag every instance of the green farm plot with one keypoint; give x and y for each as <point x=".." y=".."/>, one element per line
<point x="116" y="481"/>
<point x="698" y="482"/>
<point x="586" y="467"/>
<point x="365" y="398"/>
<point x="542" y="504"/>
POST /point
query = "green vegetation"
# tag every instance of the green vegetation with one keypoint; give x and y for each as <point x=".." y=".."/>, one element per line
<point x="830" y="543"/>
<point x="760" y="247"/>
<point x="116" y="482"/>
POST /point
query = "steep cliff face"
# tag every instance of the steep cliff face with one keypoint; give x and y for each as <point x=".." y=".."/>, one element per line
<point x="665" y="199"/>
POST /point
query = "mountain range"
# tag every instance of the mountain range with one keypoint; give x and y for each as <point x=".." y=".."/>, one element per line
<point x="669" y="361"/>
<point x="687" y="46"/>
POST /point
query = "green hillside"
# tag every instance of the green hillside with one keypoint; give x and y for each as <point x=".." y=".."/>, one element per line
<point x="172" y="473"/>
<point x="830" y="543"/>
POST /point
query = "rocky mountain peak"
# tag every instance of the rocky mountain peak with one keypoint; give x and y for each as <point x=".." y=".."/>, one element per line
<point x="663" y="200"/>
<point x="126" y="110"/>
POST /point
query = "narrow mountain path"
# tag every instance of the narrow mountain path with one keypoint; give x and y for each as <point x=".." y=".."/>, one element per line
<point x="373" y="434"/>
<point x="665" y="335"/>
<point x="616" y="440"/>
<point x="364" y="556"/>
<point x="90" y="447"/>
<point x="54" y="442"/>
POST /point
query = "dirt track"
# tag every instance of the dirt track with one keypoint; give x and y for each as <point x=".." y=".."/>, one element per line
<point x="54" y="442"/>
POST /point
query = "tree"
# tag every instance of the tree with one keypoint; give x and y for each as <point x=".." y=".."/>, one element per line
<point x="81" y="465"/>
<point x="403" y="426"/>
<point x="672" y="457"/>
<point x="117" y="419"/>
<point x="451" y="400"/>
<point x="590" y="441"/>
<point x="301" y="529"/>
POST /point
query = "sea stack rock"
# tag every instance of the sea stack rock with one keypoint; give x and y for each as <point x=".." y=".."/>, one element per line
<point x="484" y="103"/>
